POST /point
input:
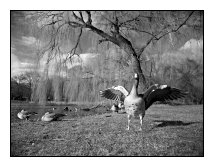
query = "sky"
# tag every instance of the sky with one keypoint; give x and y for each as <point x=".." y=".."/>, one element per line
<point x="24" y="45"/>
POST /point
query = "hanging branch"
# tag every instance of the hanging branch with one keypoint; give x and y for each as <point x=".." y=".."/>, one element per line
<point x="175" y="30"/>
<point x="73" y="50"/>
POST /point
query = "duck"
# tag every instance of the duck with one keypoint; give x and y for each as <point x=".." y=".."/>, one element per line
<point x="75" y="109"/>
<point x="120" y="105"/>
<point x="136" y="104"/>
<point x="48" y="117"/>
<point x="66" y="109"/>
<point x="114" y="108"/>
<point x="24" y="114"/>
<point x="117" y="107"/>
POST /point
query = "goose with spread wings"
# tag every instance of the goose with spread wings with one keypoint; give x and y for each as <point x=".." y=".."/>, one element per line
<point x="136" y="104"/>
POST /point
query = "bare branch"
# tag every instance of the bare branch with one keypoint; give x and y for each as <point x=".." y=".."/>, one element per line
<point x="175" y="30"/>
<point x="75" y="24"/>
<point x="102" y="40"/>
<point x="89" y="17"/>
<point x="143" y="31"/>
<point x="80" y="19"/>
<point x="154" y="37"/>
<point x="51" y="24"/>
<point x="73" y="50"/>
<point x="103" y="34"/>
<point x="129" y="21"/>
<point x="144" y="47"/>
<point x="81" y="16"/>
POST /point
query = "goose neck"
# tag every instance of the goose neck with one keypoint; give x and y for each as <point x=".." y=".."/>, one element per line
<point x="134" y="88"/>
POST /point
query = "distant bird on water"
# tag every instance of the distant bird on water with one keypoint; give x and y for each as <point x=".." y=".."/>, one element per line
<point x="136" y="104"/>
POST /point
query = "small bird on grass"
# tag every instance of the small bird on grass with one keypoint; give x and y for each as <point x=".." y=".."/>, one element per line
<point x="48" y="117"/>
<point x="23" y="114"/>
<point x="114" y="108"/>
<point x="66" y="109"/>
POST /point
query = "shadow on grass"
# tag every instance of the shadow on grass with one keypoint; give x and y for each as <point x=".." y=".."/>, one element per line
<point x="164" y="123"/>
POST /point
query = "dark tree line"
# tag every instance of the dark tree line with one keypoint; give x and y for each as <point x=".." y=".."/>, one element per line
<point x="20" y="90"/>
<point x="187" y="76"/>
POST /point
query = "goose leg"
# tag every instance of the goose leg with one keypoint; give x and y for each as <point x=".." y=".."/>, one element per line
<point x="129" y="119"/>
<point x="141" y="122"/>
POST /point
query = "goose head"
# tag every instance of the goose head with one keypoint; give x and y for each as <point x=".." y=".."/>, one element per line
<point x="136" y="76"/>
<point x="136" y="79"/>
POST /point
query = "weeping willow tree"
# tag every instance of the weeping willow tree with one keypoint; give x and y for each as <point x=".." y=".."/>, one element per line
<point x="69" y="33"/>
<point x="42" y="87"/>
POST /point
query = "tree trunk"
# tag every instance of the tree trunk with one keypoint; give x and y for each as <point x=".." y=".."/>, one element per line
<point x="136" y="68"/>
<point x="125" y="45"/>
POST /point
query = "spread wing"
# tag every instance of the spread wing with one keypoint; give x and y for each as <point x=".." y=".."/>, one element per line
<point x="163" y="93"/>
<point x="117" y="93"/>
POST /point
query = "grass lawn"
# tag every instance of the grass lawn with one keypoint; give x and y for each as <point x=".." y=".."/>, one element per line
<point x="167" y="131"/>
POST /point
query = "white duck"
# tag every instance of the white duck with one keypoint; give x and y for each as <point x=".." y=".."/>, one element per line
<point x="136" y="104"/>
<point x="120" y="105"/>
<point x="23" y="114"/>
<point x="51" y="116"/>
<point x="114" y="108"/>
<point x="117" y="107"/>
